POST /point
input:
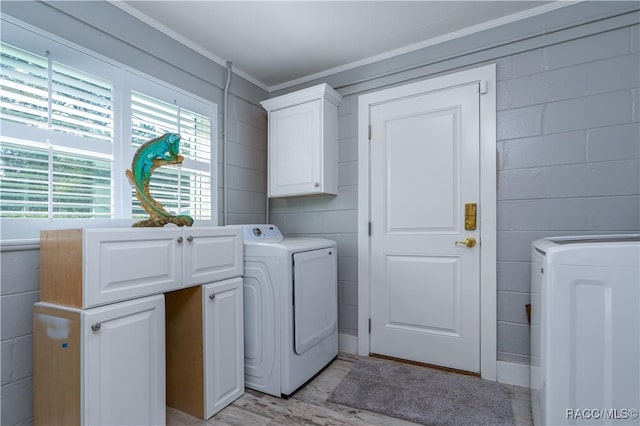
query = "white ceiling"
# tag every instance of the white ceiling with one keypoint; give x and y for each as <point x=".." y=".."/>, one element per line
<point x="278" y="44"/>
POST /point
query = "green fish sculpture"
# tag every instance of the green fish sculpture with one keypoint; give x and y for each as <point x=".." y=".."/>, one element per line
<point x="157" y="152"/>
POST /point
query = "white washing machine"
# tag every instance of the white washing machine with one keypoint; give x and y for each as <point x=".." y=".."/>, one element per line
<point x="290" y="308"/>
<point x="585" y="344"/>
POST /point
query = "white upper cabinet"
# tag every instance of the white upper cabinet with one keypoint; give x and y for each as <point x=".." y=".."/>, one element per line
<point x="303" y="142"/>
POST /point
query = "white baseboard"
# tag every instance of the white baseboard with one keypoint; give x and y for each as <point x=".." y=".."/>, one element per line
<point x="511" y="373"/>
<point x="347" y="343"/>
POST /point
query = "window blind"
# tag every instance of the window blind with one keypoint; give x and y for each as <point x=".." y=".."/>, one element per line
<point x="48" y="176"/>
<point x="24" y="87"/>
<point x="24" y="177"/>
<point x="81" y="104"/>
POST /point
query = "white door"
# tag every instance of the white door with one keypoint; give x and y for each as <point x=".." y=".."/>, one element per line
<point x="425" y="287"/>
<point x="124" y="363"/>
<point x="223" y="344"/>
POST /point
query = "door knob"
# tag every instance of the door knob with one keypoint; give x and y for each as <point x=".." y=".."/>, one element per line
<point x="469" y="242"/>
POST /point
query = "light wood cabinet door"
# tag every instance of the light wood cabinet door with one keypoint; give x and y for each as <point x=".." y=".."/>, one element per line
<point x="123" y="366"/>
<point x="223" y="344"/>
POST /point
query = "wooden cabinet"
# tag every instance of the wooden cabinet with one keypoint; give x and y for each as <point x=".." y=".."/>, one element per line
<point x="101" y="366"/>
<point x="84" y="268"/>
<point x="205" y="347"/>
<point x="303" y="142"/>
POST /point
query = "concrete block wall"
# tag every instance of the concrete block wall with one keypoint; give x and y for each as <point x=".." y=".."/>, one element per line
<point x="333" y="217"/>
<point x="568" y="142"/>
<point x="19" y="290"/>
<point x="247" y="163"/>
<point x="568" y="149"/>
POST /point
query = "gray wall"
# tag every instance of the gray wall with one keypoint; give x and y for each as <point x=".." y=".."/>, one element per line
<point x="247" y="163"/>
<point x="568" y="149"/>
<point x="568" y="144"/>
<point x="94" y="25"/>
<point x="20" y="277"/>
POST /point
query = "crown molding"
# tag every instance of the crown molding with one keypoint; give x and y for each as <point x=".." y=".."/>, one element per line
<point x="320" y="91"/>
<point x="346" y="67"/>
<point x="429" y="42"/>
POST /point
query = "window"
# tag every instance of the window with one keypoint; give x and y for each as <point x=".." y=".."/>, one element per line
<point x="70" y="125"/>
<point x="64" y="169"/>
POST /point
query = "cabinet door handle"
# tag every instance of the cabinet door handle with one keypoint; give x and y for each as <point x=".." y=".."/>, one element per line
<point x="179" y="240"/>
<point x="190" y="238"/>
<point x="96" y="326"/>
<point x="212" y="296"/>
<point x="316" y="184"/>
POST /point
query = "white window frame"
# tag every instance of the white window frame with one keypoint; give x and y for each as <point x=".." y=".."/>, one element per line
<point x="125" y="79"/>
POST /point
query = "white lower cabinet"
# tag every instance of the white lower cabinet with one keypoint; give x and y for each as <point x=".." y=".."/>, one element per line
<point x="99" y="330"/>
<point x="205" y="347"/>
<point x="100" y="366"/>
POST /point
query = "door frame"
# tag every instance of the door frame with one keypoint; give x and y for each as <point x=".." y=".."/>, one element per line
<point x="486" y="77"/>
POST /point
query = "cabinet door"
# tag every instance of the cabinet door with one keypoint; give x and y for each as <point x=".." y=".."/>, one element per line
<point x="223" y="344"/>
<point x="123" y="369"/>
<point x="211" y="254"/>
<point x="128" y="263"/>
<point x="295" y="150"/>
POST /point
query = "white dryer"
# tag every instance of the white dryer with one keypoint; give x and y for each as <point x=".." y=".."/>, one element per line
<point x="290" y="308"/>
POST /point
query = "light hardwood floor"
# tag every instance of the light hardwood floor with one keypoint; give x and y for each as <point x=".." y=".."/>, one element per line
<point x="309" y="406"/>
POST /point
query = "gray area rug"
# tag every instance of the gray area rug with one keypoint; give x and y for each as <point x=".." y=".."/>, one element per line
<point x="423" y="395"/>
